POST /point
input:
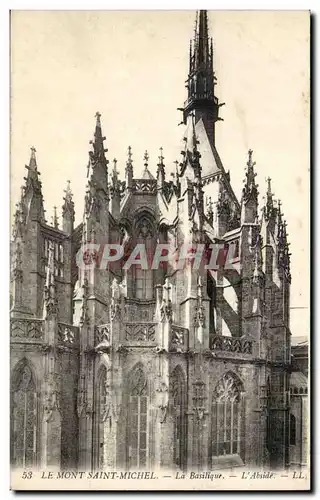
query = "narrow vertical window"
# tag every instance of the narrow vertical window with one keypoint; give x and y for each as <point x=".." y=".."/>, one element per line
<point x="24" y="419"/>
<point x="268" y="419"/>
<point x="101" y="400"/>
<point x="292" y="429"/>
<point x="144" y="277"/>
<point x="178" y="397"/>
<point x="138" y="420"/>
<point x="226" y="417"/>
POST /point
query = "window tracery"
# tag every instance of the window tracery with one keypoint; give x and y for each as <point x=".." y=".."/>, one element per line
<point x="178" y="397"/>
<point x="138" y="419"/>
<point x="227" y="417"/>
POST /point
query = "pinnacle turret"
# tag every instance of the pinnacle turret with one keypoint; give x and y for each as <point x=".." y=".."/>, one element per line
<point x="269" y="210"/>
<point x="33" y="198"/>
<point x="250" y="190"/>
<point x="129" y="169"/>
<point x="50" y="293"/>
<point x="55" y="221"/>
<point x="98" y="164"/>
<point x="68" y="212"/>
<point x="161" y="170"/>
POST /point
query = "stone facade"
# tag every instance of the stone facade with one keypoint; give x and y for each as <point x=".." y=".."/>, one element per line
<point x="179" y="368"/>
<point x="299" y="407"/>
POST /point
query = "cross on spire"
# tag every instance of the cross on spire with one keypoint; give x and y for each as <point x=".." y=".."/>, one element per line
<point x="146" y="159"/>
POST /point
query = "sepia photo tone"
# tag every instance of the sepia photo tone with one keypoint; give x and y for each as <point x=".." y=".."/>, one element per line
<point x="159" y="325"/>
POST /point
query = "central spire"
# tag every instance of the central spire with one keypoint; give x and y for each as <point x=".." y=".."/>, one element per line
<point x="202" y="56"/>
<point x="202" y="101"/>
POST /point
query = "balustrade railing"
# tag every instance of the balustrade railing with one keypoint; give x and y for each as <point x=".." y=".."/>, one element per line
<point x="26" y="329"/>
<point x="140" y="332"/>
<point x="231" y="344"/>
<point x="145" y="185"/>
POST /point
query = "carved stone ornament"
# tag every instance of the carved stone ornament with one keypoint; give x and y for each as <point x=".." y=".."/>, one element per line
<point x="51" y="399"/>
<point x="163" y="401"/>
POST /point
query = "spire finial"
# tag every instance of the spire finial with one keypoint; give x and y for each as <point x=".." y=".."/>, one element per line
<point x="129" y="154"/>
<point x="97" y="143"/>
<point x="33" y="159"/>
<point x="250" y="190"/>
<point x="68" y="211"/>
<point x="161" y="170"/>
<point x="269" y="207"/>
<point x="68" y="192"/>
<point x="269" y="186"/>
<point x="129" y="168"/>
<point x="250" y="165"/>
<point x="146" y="159"/>
<point x="98" y="121"/>
<point x="161" y="157"/>
<point x="115" y="171"/>
<point x="55" y="221"/>
<point x="201" y="80"/>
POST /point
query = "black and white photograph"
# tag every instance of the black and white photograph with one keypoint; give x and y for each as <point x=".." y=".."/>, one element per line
<point x="159" y="250"/>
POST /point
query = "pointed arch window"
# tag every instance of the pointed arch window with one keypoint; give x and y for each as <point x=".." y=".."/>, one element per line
<point x="212" y="293"/>
<point x="178" y="398"/>
<point x="227" y="417"/>
<point x="144" y="277"/>
<point x="24" y="418"/>
<point x="138" y="420"/>
<point x="293" y="429"/>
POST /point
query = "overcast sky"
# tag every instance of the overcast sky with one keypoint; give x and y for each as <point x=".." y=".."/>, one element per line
<point x="132" y="66"/>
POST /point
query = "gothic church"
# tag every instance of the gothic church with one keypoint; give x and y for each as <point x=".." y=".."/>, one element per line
<point x="184" y="369"/>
